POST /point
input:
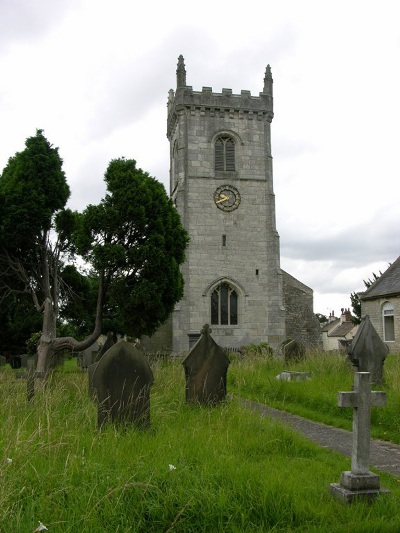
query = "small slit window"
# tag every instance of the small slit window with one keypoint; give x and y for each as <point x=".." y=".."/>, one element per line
<point x="174" y="160"/>
<point x="225" y="153"/>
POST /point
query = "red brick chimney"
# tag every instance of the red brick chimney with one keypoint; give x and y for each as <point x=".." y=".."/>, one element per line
<point x="345" y="316"/>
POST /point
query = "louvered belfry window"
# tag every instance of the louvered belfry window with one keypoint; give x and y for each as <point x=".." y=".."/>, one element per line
<point x="224" y="153"/>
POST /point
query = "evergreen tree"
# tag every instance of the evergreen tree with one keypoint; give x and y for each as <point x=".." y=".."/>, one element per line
<point x="133" y="242"/>
<point x="355" y="299"/>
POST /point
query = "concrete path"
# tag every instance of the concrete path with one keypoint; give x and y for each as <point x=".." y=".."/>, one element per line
<point x="383" y="455"/>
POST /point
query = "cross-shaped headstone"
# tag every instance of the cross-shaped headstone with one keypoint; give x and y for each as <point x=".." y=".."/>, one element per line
<point x="361" y="399"/>
<point x="206" y="329"/>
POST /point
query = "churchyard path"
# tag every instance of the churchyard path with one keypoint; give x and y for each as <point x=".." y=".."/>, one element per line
<point x="384" y="456"/>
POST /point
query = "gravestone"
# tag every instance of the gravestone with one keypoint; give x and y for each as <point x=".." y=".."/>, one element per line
<point x="367" y="352"/>
<point x="15" y="361"/>
<point x="30" y="375"/>
<point x="360" y="483"/>
<point x="3" y="360"/>
<point x="293" y="351"/>
<point x="91" y="368"/>
<point x="293" y="376"/>
<point x="58" y="359"/>
<point x="121" y="381"/>
<point x="88" y="357"/>
<point x="206" y="367"/>
<point x="106" y="346"/>
<point x="91" y="390"/>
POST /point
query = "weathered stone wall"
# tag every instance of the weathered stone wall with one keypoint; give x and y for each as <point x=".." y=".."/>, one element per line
<point x="248" y="257"/>
<point x="301" y="323"/>
<point x="161" y="341"/>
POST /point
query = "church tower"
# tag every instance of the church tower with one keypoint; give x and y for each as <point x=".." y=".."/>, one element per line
<point x="221" y="182"/>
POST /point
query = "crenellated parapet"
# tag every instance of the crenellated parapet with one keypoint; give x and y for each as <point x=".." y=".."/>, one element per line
<point x="225" y="105"/>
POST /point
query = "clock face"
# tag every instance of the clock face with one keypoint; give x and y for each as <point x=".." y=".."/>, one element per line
<point x="227" y="198"/>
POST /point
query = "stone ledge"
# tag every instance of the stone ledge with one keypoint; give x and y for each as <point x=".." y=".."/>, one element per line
<point x="355" y="482"/>
<point x="349" y="496"/>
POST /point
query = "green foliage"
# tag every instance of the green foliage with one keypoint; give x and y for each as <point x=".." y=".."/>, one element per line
<point x="235" y="471"/>
<point x="356" y="306"/>
<point x="33" y="193"/>
<point x="263" y="349"/>
<point x="133" y="241"/>
<point x="321" y="318"/>
<point x="32" y="189"/>
<point x="78" y="293"/>
<point x="18" y="320"/>
<point x="66" y="223"/>
<point x="32" y="342"/>
<point x="136" y="237"/>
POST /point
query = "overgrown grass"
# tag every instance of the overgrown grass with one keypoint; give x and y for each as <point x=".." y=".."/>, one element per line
<point x="234" y="470"/>
<point x="254" y="377"/>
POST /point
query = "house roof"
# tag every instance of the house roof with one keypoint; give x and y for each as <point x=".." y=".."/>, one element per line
<point x="342" y="330"/>
<point x="388" y="284"/>
<point x="329" y="325"/>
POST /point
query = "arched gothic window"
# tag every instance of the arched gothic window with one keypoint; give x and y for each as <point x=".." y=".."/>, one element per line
<point x="225" y="153"/>
<point x="224" y="305"/>
<point x="388" y="322"/>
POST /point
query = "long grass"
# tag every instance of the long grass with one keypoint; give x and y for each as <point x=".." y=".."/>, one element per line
<point x="231" y="470"/>
<point x="255" y="377"/>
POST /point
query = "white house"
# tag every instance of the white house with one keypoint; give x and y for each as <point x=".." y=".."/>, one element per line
<point x="338" y="332"/>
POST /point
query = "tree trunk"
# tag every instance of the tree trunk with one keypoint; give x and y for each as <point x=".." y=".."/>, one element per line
<point x="49" y="344"/>
<point x="45" y="348"/>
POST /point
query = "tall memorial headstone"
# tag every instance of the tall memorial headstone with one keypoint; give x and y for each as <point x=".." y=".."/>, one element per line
<point x="121" y="381"/>
<point x="360" y="483"/>
<point x="206" y="368"/>
<point x="367" y="351"/>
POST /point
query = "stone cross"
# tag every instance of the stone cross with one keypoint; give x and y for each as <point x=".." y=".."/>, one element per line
<point x="361" y="399"/>
<point x="360" y="482"/>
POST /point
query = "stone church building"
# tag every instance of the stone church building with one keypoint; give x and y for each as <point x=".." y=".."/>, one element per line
<point x="221" y="182"/>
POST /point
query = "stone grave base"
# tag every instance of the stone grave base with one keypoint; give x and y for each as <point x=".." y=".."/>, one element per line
<point x="357" y="486"/>
<point x="287" y="375"/>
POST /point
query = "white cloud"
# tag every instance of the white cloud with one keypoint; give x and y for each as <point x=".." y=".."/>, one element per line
<point x="95" y="76"/>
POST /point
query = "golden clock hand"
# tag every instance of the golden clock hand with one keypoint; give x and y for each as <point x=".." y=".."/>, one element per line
<point x="222" y="198"/>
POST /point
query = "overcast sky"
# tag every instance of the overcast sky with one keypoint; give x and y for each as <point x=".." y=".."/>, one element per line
<point x="95" y="75"/>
